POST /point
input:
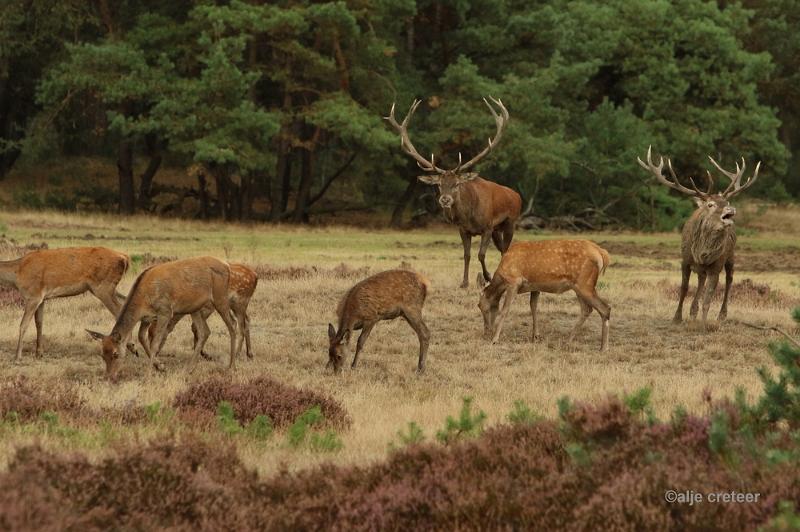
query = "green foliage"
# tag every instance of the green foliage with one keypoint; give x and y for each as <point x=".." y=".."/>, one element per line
<point x="787" y="518"/>
<point x="260" y="428"/>
<point x="678" y="417"/>
<point x="578" y="453"/>
<point x="719" y="432"/>
<point x="639" y="404"/>
<point x="411" y="436"/>
<point x="300" y="428"/>
<point x="158" y="414"/>
<point x="327" y="442"/>
<point x="467" y="424"/>
<point x="521" y="414"/>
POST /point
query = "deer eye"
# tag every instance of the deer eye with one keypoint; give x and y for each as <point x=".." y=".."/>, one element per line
<point x="711" y="204"/>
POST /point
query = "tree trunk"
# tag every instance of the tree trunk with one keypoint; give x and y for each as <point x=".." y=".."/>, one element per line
<point x="247" y="193"/>
<point x="286" y="182"/>
<point x="125" y="172"/>
<point x="202" y="192"/>
<point x="304" y="188"/>
<point x="397" y="214"/>
<point x="146" y="179"/>
<point x="283" y="171"/>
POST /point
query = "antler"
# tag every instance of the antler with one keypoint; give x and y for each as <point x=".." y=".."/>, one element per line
<point x="405" y="142"/>
<point x="736" y="179"/>
<point x="500" y="121"/>
<point x="674" y="184"/>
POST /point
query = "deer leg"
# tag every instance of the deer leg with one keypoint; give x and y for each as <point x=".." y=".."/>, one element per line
<point x="241" y="325"/>
<point x="466" y="241"/>
<point x="486" y="238"/>
<point x="414" y="319"/>
<point x="590" y="297"/>
<point x="534" y="303"/>
<point x="508" y="235"/>
<point x="38" y="318"/>
<point x="247" y="335"/>
<point x="511" y="292"/>
<point x="701" y="283"/>
<point x="30" y="309"/>
<point x="224" y="311"/>
<point x="170" y="327"/>
<point x="202" y="332"/>
<point x="710" y="290"/>
<point x="723" y="312"/>
<point x="586" y="310"/>
<point x="686" y="272"/>
<point x="362" y="339"/>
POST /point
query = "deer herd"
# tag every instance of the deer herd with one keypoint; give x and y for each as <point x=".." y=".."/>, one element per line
<point x="163" y="294"/>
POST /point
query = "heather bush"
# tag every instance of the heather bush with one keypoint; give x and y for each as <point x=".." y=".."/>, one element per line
<point x="25" y="401"/>
<point x="282" y="403"/>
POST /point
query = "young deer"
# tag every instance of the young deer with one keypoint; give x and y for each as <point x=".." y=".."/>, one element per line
<point x="179" y="287"/>
<point x="242" y="284"/>
<point x="552" y="266"/>
<point x="383" y="296"/>
<point x="65" y="272"/>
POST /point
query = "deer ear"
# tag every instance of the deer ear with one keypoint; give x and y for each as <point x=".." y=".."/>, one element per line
<point x="430" y="179"/>
<point x="346" y="337"/>
<point x="700" y="202"/>
<point x="94" y="335"/>
<point x="463" y="178"/>
<point x="331" y="331"/>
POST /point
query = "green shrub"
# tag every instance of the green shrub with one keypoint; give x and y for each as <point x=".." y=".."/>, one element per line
<point x="299" y="429"/>
<point x="466" y="425"/>
<point x="412" y="436"/>
<point x="227" y="420"/>
<point x="326" y="442"/>
<point x="260" y="428"/>
<point x="522" y="414"/>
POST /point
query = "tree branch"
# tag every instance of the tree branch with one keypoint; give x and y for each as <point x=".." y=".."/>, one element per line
<point x="769" y="328"/>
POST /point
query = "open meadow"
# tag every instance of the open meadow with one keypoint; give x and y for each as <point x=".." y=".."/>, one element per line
<point x="305" y="271"/>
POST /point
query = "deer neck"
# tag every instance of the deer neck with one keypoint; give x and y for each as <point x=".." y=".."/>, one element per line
<point x="709" y="243"/>
<point x="459" y="212"/>
<point x="9" y="269"/>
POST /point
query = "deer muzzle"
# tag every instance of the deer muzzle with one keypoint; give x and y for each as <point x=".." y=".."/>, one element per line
<point x="446" y="201"/>
<point x="728" y="213"/>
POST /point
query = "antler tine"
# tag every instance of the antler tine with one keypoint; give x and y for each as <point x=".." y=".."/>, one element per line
<point x="405" y="141"/>
<point x="657" y="171"/>
<point x="735" y="185"/>
<point x="710" y="182"/>
<point x="500" y="120"/>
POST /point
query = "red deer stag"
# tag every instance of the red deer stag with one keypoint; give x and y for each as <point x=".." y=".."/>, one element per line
<point x="477" y="206"/>
<point x="552" y="266"/>
<point x="65" y="272"/>
<point x="243" y="283"/>
<point x="708" y="238"/>
<point x="383" y="296"/>
<point x="160" y="292"/>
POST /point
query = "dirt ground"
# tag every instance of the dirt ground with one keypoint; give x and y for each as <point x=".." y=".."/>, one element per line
<point x="304" y="272"/>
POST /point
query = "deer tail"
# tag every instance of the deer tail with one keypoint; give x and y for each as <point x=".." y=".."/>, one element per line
<point x="606" y="260"/>
<point x="426" y="284"/>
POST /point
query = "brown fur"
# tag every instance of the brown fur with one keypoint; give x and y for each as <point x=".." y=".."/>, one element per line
<point x="552" y="266"/>
<point x="479" y="208"/>
<point x="65" y="272"/>
<point x="184" y="286"/>
<point x="383" y="296"/>
<point x="243" y="282"/>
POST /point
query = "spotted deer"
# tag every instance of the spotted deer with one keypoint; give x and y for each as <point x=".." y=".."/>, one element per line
<point x="552" y="266"/>
<point x="477" y="206"/>
<point x="50" y="273"/>
<point x="160" y="292"/>
<point x="243" y="282"/>
<point x="708" y="239"/>
<point x="383" y="296"/>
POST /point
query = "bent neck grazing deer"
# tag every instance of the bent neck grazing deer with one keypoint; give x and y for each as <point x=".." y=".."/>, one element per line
<point x="243" y="282"/>
<point x="708" y="239"/>
<point x="160" y="292"/>
<point x="65" y="272"/>
<point x="477" y="206"/>
<point x="384" y="296"/>
<point x="553" y="266"/>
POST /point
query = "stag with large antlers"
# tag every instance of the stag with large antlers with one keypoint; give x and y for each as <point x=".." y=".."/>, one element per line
<point x="477" y="206"/>
<point x="709" y="236"/>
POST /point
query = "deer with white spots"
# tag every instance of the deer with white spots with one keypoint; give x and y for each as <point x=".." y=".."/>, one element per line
<point x="552" y="266"/>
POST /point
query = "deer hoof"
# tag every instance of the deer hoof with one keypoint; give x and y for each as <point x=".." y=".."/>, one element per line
<point x="206" y="355"/>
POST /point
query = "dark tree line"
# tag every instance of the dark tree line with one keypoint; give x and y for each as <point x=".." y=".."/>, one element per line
<point x="281" y="102"/>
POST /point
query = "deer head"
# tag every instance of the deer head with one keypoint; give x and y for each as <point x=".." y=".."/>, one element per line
<point x="715" y="209"/>
<point x="338" y="348"/>
<point x="110" y="351"/>
<point x="448" y="181"/>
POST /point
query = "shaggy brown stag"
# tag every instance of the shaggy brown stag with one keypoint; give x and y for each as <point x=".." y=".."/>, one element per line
<point x="477" y="206"/>
<point x="708" y="238"/>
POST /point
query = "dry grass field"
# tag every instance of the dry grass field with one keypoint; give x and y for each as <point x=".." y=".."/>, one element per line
<point x="304" y="272"/>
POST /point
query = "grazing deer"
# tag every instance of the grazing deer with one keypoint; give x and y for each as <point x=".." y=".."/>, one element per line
<point x="477" y="206"/>
<point x="179" y="287"/>
<point x="708" y="238"/>
<point x="552" y="266"/>
<point x="242" y="284"/>
<point x="50" y="273"/>
<point x="383" y="296"/>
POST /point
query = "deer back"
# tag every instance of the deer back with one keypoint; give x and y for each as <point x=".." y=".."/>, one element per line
<point x="551" y="262"/>
<point x="382" y="296"/>
<point x="483" y="204"/>
<point x="70" y="269"/>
